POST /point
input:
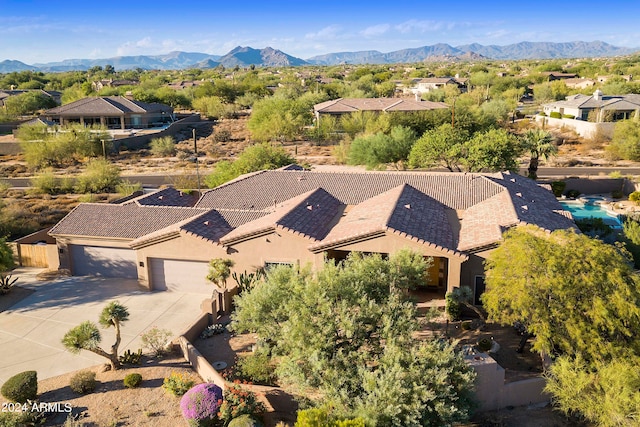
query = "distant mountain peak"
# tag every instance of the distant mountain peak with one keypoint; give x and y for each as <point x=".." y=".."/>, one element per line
<point x="244" y="56"/>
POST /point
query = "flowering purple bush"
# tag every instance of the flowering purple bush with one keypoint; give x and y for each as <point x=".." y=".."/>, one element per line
<point x="201" y="403"/>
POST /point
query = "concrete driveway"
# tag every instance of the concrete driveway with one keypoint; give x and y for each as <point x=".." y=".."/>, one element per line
<point x="32" y="329"/>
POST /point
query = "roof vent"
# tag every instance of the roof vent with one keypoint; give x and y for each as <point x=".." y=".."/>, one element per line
<point x="525" y="208"/>
<point x="310" y="207"/>
<point x="206" y="223"/>
<point x="301" y="178"/>
<point x="408" y="206"/>
<point x="519" y="194"/>
<point x="597" y="95"/>
<point x="160" y="197"/>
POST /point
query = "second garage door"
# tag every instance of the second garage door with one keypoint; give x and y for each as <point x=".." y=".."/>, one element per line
<point x="180" y="276"/>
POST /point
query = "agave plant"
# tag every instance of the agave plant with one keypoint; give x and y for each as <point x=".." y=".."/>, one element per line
<point x="6" y="283"/>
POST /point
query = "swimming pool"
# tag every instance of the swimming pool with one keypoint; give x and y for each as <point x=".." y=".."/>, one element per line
<point x="581" y="210"/>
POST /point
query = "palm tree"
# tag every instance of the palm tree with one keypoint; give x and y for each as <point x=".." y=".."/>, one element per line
<point x="86" y="336"/>
<point x="219" y="272"/>
<point x="540" y="145"/>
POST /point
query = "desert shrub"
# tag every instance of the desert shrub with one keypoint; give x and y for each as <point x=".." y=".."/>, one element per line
<point x="245" y="421"/>
<point x="256" y="367"/>
<point x="238" y="401"/>
<point x="22" y="419"/>
<point x="452" y="306"/>
<point x="46" y="182"/>
<point x="156" y="340"/>
<point x="484" y="344"/>
<point x="21" y="387"/>
<point x="177" y="383"/>
<point x="127" y="188"/>
<point x="617" y="194"/>
<point x="555" y="115"/>
<point x="573" y="193"/>
<point x="130" y="358"/>
<point x="132" y="380"/>
<point x="558" y="187"/>
<point x="100" y="176"/>
<point x="200" y="404"/>
<point x="83" y="382"/>
<point x="211" y="330"/>
<point x="320" y="417"/>
<point x="568" y="116"/>
<point x="223" y="135"/>
<point x="635" y="197"/>
<point x="163" y="147"/>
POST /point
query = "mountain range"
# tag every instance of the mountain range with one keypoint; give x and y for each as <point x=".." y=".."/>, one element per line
<point x="269" y="57"/>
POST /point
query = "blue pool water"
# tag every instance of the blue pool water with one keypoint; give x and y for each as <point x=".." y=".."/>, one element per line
<point x="580" y="210"/>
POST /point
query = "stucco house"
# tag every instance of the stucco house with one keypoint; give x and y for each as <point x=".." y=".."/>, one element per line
<point x="428" y="84"/>
<point x="114" y="112"/>
<point x="614" y="107"/>
<point x="340" y="106"/>
<point x="291" y="216"/>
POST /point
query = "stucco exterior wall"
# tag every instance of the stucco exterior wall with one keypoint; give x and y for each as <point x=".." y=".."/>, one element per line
<point x="582" y="128"/>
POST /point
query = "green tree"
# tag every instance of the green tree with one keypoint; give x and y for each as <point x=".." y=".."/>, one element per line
<point x="6" y="255"/>
<point x="607" y="394"/>
<point x="86" y="336"/>
<point x="100" y="176"/>
<point x="625" y="143"/>
<point x="378" y="150"/>
<point x="539" y="144"/>
<point x="345" y="336"/>
<point x="254" y="158"/>
<point x="491" y="151"/>
<point x="440" y="147"/>
<point x="219" y="272"/>
<point x="578" y="296"/>
<point x="28" y="103"/>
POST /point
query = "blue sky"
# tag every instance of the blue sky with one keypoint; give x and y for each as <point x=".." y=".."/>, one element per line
<point x="39" y="31"/>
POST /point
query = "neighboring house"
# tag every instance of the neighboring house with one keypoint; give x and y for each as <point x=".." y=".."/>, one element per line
<point x="611" y="107"/>
<point x="604" y="79"/>
<point x="340" y="106"/>
<point x="425" y="85"/>
<point x="579" y="83"/>
<point x="299" y="218"/>
<point x="101" y="84"/>
<point x="113" y="112"/>
<point x="553" y="75"/>
<point x="5" y="93"/>
<point x="184" y="84"/>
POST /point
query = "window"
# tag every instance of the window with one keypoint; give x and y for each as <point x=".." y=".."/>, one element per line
<point x="479" y="287"/>
<point x="272" y="264"/>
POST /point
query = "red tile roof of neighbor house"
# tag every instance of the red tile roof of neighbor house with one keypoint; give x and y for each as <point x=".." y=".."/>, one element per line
<point x="351" y="105"/>
<point x="105" y="105"/>
<point x="421" y="206"/>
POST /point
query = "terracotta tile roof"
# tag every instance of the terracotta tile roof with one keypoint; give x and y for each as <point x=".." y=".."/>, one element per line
<point x="522" y="202"/>
<point x="309" y="214"/>
<point x="105" y="105"/>
<point x="166" y="197"/>
<point x="263" y="190"/>
<point x="128" y="221"/>
<point x="402" y="210"/>
<point x="350" y="105"/>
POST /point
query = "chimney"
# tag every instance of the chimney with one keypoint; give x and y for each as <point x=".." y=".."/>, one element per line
<point x="597" y="95"/>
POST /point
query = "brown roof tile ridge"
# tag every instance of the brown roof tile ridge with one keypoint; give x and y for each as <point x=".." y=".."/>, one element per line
<point x="166" y="232"/>
<point x="393" y="104"/>
<point x="270" y="220"/>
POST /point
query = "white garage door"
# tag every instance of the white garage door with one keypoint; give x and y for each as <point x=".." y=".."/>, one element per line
<point x="102" y="261"/>
<point x="181" y="276"/>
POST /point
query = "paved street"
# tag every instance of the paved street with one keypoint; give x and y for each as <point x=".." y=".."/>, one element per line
<point x="31" y="330"/>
